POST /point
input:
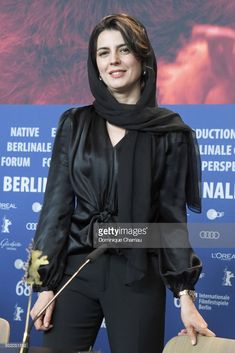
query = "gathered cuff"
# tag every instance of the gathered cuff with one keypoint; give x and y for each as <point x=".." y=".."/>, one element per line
<point x="185" y="278"/>
<point x="38" y="288"/>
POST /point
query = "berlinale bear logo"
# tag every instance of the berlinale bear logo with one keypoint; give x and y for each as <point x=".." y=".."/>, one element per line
<point x="6" y="223"/>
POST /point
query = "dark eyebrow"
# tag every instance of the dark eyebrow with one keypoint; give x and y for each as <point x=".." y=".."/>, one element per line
<point x="118" y="46"/>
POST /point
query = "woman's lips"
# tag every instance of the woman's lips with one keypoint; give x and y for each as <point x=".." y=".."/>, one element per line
<point x="117" y="73"/>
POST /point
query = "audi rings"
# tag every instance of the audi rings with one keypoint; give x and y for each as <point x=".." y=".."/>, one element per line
<point x="31" y="226"/>
<point x="209" y="234"/>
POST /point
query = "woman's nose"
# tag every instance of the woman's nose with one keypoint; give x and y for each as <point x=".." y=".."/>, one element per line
<point x="114" y="58"/>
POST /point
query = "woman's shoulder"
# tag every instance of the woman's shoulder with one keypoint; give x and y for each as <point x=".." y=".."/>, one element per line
<point x="77" y="113"/>
<point x="74" y="117"/>
<point x="177" y="136"/>
<point x="178" y="130"/>
<point x="171" y="137"/>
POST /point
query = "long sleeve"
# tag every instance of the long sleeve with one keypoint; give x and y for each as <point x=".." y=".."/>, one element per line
<point x="179" y="265"/>
<point x="54" y="223"/>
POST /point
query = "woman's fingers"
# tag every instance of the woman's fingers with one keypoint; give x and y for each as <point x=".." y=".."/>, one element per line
<point x="48" y="317"/>
<point x="203" y="329"/>
<point x="38" y="323"/>
<point x="183" y="332"/>
<point x="206" y="332"/>
<point x="192" y="334"/>
<point x="44" y="321"/>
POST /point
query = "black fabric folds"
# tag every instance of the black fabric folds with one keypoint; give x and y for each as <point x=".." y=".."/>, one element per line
<point x="134" y="155"/>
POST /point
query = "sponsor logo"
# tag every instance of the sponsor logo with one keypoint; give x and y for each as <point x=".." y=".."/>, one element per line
<point x="36" y="207"/>
<point x="209" y="234"/>
<point x="228" y="275"/>
<point x="6" y="223"/>
<point x="9" y="245"/>
<point x="223" y="256"/>
<point x="177" y="302"/>
<point x="213" y="214"/>
<point x="31" y="226"/>
<point x="6" y="206"/>
<point x="20" y="264"/>
<point x="17" y="313"/>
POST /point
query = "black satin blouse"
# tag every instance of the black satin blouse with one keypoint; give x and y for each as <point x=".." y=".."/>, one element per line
<point x="81" y="189"/>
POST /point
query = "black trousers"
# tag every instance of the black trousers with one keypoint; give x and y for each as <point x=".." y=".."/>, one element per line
<point x="134" y="315"/>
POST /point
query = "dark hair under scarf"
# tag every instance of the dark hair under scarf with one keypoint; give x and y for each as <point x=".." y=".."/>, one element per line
<point x="134" y="182"/>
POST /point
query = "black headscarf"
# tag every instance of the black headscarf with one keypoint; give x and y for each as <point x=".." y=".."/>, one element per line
<point x="134" y="154"/>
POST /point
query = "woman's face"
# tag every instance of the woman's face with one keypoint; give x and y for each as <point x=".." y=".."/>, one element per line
<point x="118" y="67"/>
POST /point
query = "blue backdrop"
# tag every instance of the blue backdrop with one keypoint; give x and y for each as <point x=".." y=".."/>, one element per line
<point x="27" y="133"/>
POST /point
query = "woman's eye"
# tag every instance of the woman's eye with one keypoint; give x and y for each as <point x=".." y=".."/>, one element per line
<point x="102" y="53"/>
<point x="125" y="50"/>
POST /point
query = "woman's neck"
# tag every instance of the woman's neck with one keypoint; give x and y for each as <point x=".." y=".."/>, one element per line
<point x="127" y="97"/>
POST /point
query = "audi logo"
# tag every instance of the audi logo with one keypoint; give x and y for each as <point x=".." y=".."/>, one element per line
<point x="31" y="226"/>
<point x="209" y="234"/>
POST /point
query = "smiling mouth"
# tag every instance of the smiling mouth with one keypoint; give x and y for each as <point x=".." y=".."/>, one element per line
<point x="117" y="73"/>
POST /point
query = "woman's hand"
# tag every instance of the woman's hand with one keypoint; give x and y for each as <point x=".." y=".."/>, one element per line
<point x="44" y="321"/>
<point x="192" y="320"/>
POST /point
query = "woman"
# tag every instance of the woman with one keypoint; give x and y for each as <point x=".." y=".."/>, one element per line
<point x="121" y="159"/>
